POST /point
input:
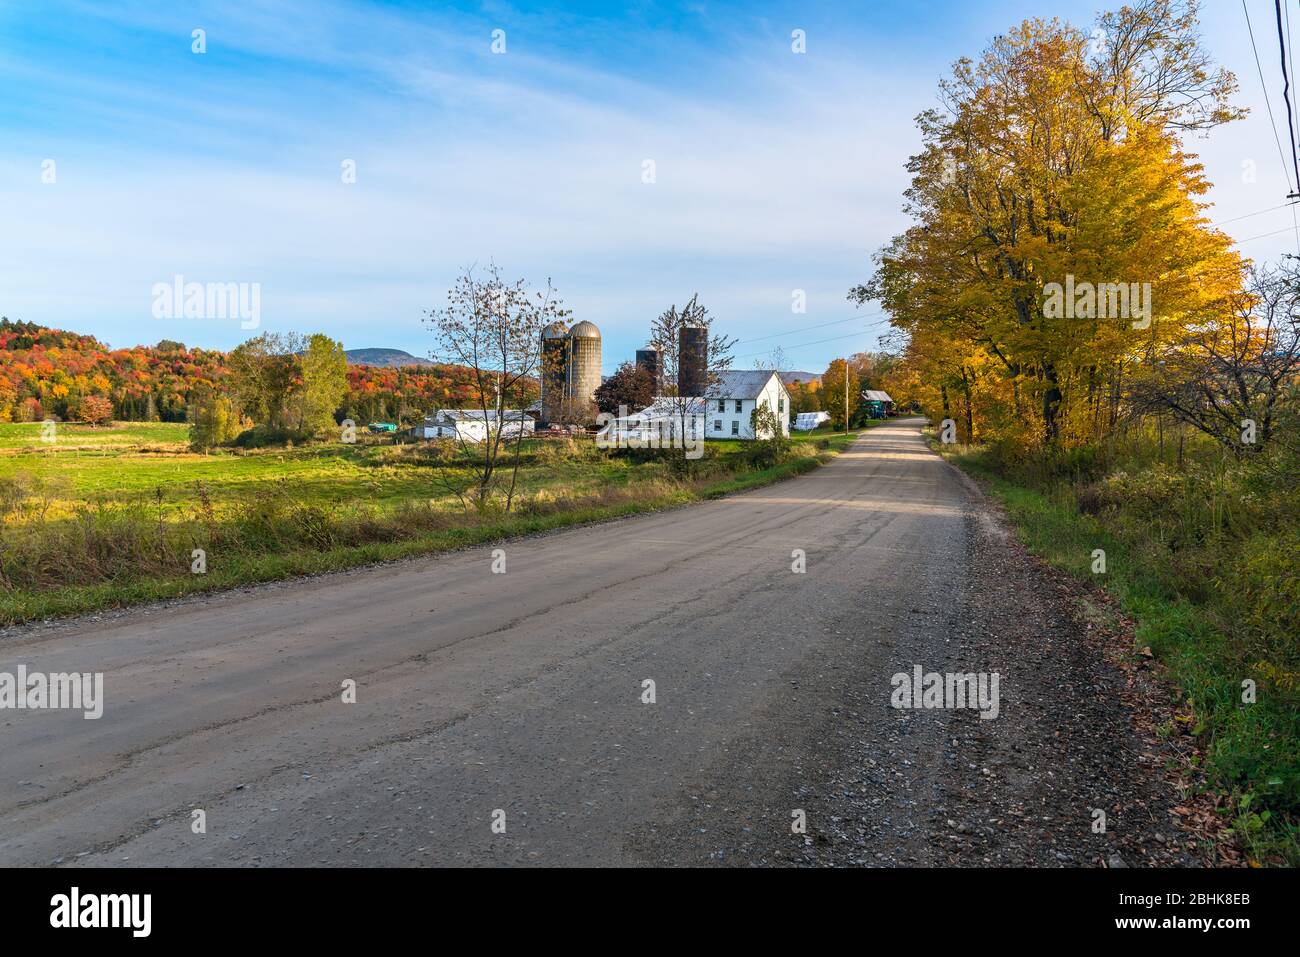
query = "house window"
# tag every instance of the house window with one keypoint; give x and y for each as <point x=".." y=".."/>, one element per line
<point x="737" y="405"/>
<point x="735" y="427"/>
<point x="717" y="425"/>
<point x="722" y="405"/>
<point x="780" y="404"/>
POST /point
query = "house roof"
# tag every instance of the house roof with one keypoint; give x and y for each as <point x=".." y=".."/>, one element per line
<point x="875" y="395"/>
<point x="740" y="384"/>
<point x="476" y="415"/>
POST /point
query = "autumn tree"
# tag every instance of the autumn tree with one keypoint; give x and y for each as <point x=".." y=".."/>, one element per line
<point x="1053" y="161"/>
<point x="631" y="387"/>
<point x="95" y="409"/>
<point x="832" y="392"/>
<point x="324" y="383"/>
<point x="213" y="420"/>
<point x="263" y="371"/>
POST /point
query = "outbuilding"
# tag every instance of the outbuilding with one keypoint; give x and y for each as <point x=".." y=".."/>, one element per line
<point x="472" y="425"/>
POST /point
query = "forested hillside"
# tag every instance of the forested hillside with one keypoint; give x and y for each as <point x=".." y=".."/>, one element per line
<point x="51" y="373"/>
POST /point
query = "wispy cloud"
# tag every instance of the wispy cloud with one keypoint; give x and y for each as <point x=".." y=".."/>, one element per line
<point x="774" y="171"/>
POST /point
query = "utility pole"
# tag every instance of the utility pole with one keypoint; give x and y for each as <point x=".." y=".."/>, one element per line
<point x="846" y="395"/>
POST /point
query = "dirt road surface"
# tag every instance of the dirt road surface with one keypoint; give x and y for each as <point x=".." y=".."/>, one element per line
<point x="519" y="698"/>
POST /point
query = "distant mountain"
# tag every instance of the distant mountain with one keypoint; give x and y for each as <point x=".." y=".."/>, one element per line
<point x="387" y="358"/>
<point x="805" y="377"/>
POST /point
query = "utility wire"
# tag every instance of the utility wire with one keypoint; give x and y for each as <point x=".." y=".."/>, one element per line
<point x="1279" y="232"/>
<point x="1295" y="222"/>
<point x="1281" y="154"/>
<point x="821" y="325"/>
<point x="1260" y="212"/>
<point x="816" y="342"/>
<point x="1286" y="93"/>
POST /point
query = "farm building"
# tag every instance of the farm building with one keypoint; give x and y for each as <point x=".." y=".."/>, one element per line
<point x="656" y="424"/>
<point x="730" y="405"/>
<point x="727" y="412"/>
<point x="471" y="425"/>
<point x="878" y="404"/>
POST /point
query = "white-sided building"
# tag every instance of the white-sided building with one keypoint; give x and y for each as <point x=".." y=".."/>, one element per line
<point x="729" y="407"/>
<point x="666" y="420"/>
<point x="471" y="425"/>
<point x="726" y="413"/>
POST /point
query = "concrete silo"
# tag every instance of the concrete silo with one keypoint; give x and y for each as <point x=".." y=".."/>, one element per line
<point x="583" y="377"/>
<point x="693" y="361"/>
<point x="650" y="360"/>
<point x="555" y="371"/>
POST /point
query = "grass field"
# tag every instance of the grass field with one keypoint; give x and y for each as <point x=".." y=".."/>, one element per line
<point x="28" y="435"/>
<point x="110" y="516"/>
<point x="1207" y="569"/>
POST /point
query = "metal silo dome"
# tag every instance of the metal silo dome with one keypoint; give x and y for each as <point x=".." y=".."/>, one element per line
<point x="584" y="367"/>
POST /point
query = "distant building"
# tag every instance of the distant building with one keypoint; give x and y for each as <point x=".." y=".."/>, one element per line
<point x="730" y="404"/>
<point x="470" y="425"/>
<point x="692" y="360"/>
<point x="570" y="372"/>
<point x="650" y="360"/>
<point x="727" y="412"/>
<point x="878" y="404"/>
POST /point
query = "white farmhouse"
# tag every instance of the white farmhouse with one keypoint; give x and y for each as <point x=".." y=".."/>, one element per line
<point x="726" y="413"/>
<point x="730" y="405"/>
<point x="471" y="425"/>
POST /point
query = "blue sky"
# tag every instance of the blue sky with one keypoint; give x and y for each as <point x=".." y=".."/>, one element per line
<point x="774" y="171"/>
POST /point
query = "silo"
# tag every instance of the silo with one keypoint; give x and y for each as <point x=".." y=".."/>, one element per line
<point x="693" y="361"/>
<point x="555" y="367"/>
<point x="648" y="359"/>
<point x="583" y="377"/>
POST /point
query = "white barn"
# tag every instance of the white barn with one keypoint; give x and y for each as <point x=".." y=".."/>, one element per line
<point x="470" y="425"/>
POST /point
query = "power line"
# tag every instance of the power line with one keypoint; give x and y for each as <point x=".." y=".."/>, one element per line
<point x="1286" y="93"/>
<point x="1267" y="102"/>
<point x="1259" y="212"/>
<point x="1295" y="222"/>
<point x="1279" y="232"/>
<point x="821" y="325"/>
<point x="1290" y="46"/>
<point x="803" y="345"/>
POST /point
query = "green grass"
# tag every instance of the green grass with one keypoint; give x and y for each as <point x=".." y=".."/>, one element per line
<point x="112" y="503"/>
<point x="1252" y="751"/>
<point x="28" y="435"/>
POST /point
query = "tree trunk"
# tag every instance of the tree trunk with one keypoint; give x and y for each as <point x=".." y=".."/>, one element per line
<point x="1051" y="406"/>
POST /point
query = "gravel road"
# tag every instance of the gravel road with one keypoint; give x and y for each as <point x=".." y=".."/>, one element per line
<point x="519" y="699"/>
